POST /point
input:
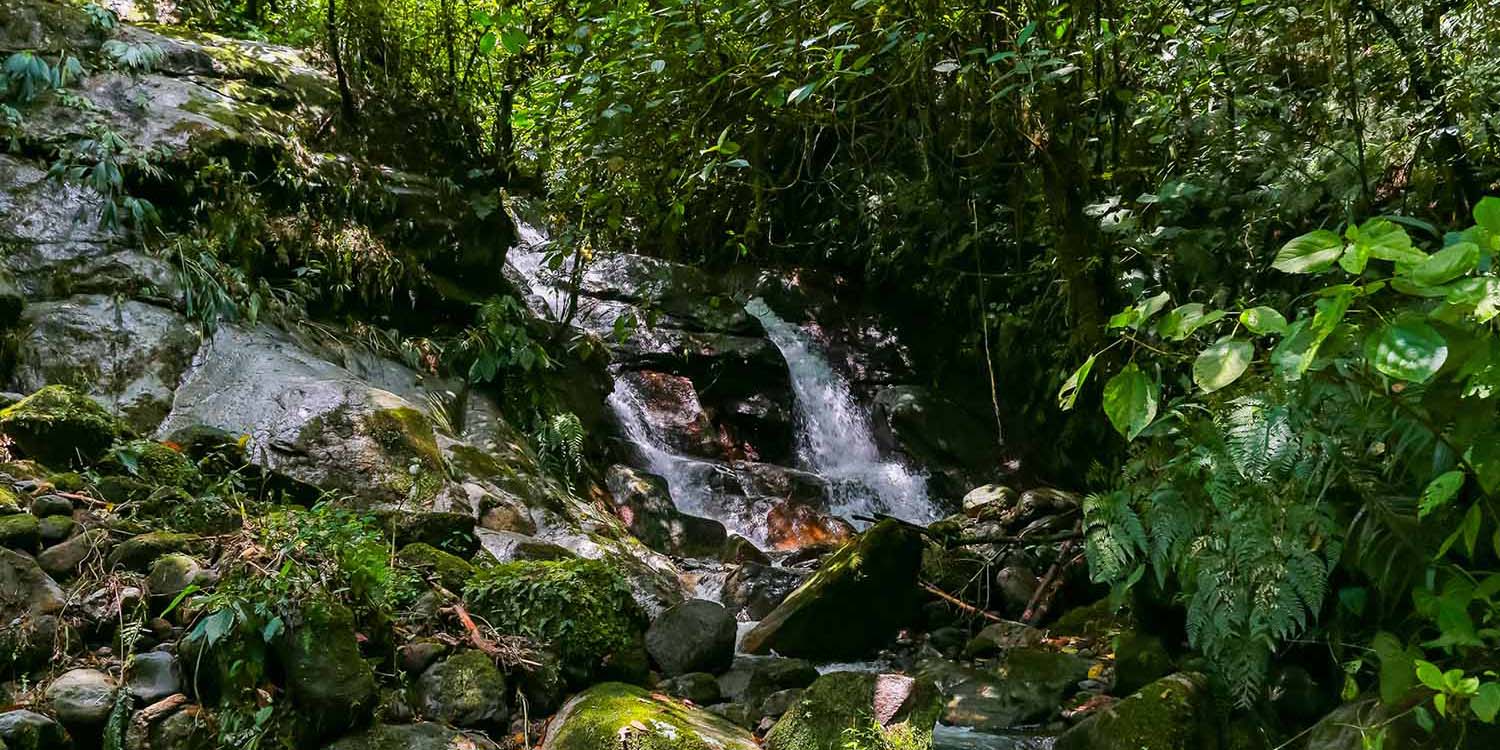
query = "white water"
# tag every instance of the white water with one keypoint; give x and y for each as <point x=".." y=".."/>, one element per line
<point x="834" y="439"/>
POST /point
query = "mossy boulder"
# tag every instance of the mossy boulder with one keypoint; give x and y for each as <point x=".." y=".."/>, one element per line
<point x="27" y="730"/>
<point x="327" y="679"/>
<point x="464" y="690"/>
<point x="173" y="573"/>
<point x="856" y="602"/>
<point x="1174" y="713"/>
<point x="448" y="570"/>
<point x="156" y="464"/>
<point x="413" y="737"/>
<point x="891" y="705"/>
<point x="616" y="716"/>
<point x="1026" y="687"/>
<point x="59" y="427"/>
<point x="9" y="501"/>
<point x="1140" y="659"/>
<point x="20" y="531"/>
<point x="139" y="552"/>
<point x="581" y="608"/>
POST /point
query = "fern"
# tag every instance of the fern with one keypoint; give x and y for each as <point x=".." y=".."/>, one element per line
<point x="559" y="442"/>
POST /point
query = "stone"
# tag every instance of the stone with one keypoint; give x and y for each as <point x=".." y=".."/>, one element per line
<point x="25" y="590"/>
<point x="414" y="658"/>
<point x="140" y="551"/>
<point x="955" y="444"/>
<point x="64" y="560"/>
<point x="988" y="501"/>
<point x="670" y="411"/>
<point x="126" y="354"/>
<point x="780" y="702"/>
<point x="755" y="589"/>
<point x="754" y="678"/>
<point x="1173" y="713"/>
<point x="642" y="501"/>
<point x="464" y="690"/>
<point x="509" y="546"/>
<point x="51" y="505"/>
<point x="694" y="636"/>
<point x="21" y="531"/>
<point x="1001" y="636"/>
<point x="838" y="701"/>
<point x="1140" y="659"/>
<point x="1028" y="687"/>
<point x="696" y="687"/>
<point x="171" y="574"/>
<point x="738" y="714"/>
<point x="420" y="736"/>
<point x="188" y="728"/>
<point x="59" y="427"/>
<point x="738" y="551"/>
<point x="27" y="730"/>
<point x="612" y="715"/>
<point x="81" y="698"/>
<point x="326" y="677"/>
<point x="834" y="615"/>
<point x="542" y="684"/>
<point x="793" y="526"/>
<point x="152" y="676"/>
<point x="449" y="571"/>
<point x="56" y="529"/>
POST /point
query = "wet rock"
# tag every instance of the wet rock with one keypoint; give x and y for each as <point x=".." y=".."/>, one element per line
<point x="739" y="714"/>
<point x="25" y="590"/>
<point x="790" y="526"/>
<point x="780" y="702"/>
<point x="127" y="355"/>
<point x="56" y="529"/>
<point x="1028" y="687"/>
<point x="739" y="550"/>
<point x="988" y="501"/>
<point x="1001" y="636"/>
<point x="59" y="426"/>
<point x="63" y="561"/>
<point x="508" y="546"/>
<point x="956" y="444"/>
<point x="694" y="636"/>
<point x="139" y="552"/>
<point x="414" y="658"/>
<point x="831" y="615"/>
<point x="464" y="690"/>
<point x="28" y="730"/>
<point x="51" y="505"/>
<point x="613" y="715"/>
<point x="542" y="684"/>
<point x="669" y="407"/>
<point x="103" y="608"/>
<point x="326" y="677"/>
<point x="449" y="571"/>
<point x="1173" y="713"/>
<point x="188" y="728"/>
<point x="1140" y="659"/>
<point x="152" y="676"/>
<point x="697" y="687"/>
<point x="21" y="531"/>
<point x="81" y="698"/>
<point x="643" y="502"/>
<point x="756" y="589"/>
<point x="420" y="736"/>
<point x="752" y="679"/>
<point x="840" y="700"/>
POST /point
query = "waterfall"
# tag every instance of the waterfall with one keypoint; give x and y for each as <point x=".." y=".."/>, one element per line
<point x="834" y="439"/>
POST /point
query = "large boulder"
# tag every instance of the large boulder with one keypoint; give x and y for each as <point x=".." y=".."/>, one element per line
<point x="956" y="444"/>
<point x="413" y="737"/>
<point x="643" y="502"/>
<point x="1027" y="687"/>
<point x="59" y="426"/>
<point x="694" y="636"/>
<point x="752" y="679"/>
<point x="1173" y="713"/>
<point x="326" y="678"/>
<point x="756" y="590"/>
<point x="668" y="408"/>
<point x="27" y="730"/>
<point x="81" y="698"/>
<point x="127" y="355"/>
<point x="864" y="703"/>
<point x="29" y="603"/>
<point x="856" y="602"/>
<point x="464" y="690"/>
<point x="613" y="715"/>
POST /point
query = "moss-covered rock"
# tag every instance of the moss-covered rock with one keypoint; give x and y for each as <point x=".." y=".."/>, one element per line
<point x="9" y="501"/>
<point x="581" y="608"/>
<point x="413" y="737"/>
<point x="464" y="690"/>
<point x="20" y="531"/>
<point x="1140" y="659"/>
<point x="59" y="426"/>
<point x="1173" y="713"/>
<point x="1028" y="686"/>
<point x="56" y="529"/>
<point x="138" y="552"/>
<point x="854" y="604"/>
<point x="173" y="573"/>
<point x="860" y="702"/>
<point x="448" y="570"/>
<point x="616" y="716"/>
<point x="154" y="463"/>
<point x="327" y="679"/>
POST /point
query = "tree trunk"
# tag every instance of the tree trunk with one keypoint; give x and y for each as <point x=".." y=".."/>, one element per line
<point x="346" y="95"/>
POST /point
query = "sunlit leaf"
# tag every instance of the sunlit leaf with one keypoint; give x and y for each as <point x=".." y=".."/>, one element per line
<point x="1222" y="364"/>
<point x="1130" y="401"/>
<point x="1311" y="253"/>
<point x="1263" y="320"/>
<point x="1407" y="349"/>
<point x="1440" y="492"/>
<point x="1446" y="265"/>
<point x="1067" y="396"/>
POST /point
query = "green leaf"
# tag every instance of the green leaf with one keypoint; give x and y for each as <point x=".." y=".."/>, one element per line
<point x="1440" y="492"/>
<point x="1473" y="521"/>
<point x="1446" y="265"/>
<point x="1407" y="349"/>
<point x="1384" y="240"/>
<point x="1263" y="320"/>
<point x="1429" y="674"/>
<point x="1067" y="396"/>
<point x="1396" y="661"/>
<point x="1486" y="703"/>
<point x="487" y="43"/>
<point x="1183" y="321"/>
<point x="1222" y="364"/>
<point x="1487" y="215"/>
<point x="514" y="40"/>
<point x="1130" y="400"/>
<point x="1150" y="307"/>
<point x="1484" y="456"/>
<point x="801" y="92"/>
<point x="1481" y="292"/>
<point x="658" y="66"/>
<point x="1311" y="253"/>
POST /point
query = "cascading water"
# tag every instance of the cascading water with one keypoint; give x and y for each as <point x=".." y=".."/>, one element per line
<point x="834" y="439"/>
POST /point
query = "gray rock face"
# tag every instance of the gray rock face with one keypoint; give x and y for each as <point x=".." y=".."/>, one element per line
<point x="694" y="636"/>
<point x="756" y="589"/>
<point x="24" y="730"/>
<point x="642" y="501"/>
<point x="152" y="676"/>
<point x="752" y="679"/>
<point x="420" y="736"/>
<point x="127" y="355"/>
<point x="699" y="687"/>
<point x="81" y="697"/>
<point x="465" y="690"/>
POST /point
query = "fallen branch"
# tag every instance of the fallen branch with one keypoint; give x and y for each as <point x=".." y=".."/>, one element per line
<point x="475" y="636"/>
<point x="1066" y="536"/>
<point x="160" y="709"/>
<point x="961" y="604"/>
<point x="1046" y="591"/>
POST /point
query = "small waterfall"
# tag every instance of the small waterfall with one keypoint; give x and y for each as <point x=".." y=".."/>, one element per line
<point x="834" y="439"/>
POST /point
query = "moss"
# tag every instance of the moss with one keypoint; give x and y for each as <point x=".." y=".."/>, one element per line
<point x="465" y="689"/>
<point x="326" y="678"/>
<point x="406" y="435"/>
<point x="841" y="703"/>
<point x="9" y="501"/>
<point x="67" y="481"/>
<point x="581" y="608"/>
<point x="450" y="571"/>
<point x="138" y="552"/>
<point x="1139" y="659"/>
<point x="59" y="426"/>
<point x="1173" y="713"/>
<point x="23" y="470"/>
<point x="1093" y="621"/>
<point x="616" y="716"/>
<point x="20" y="531"/>
<point x="155" y="464"/>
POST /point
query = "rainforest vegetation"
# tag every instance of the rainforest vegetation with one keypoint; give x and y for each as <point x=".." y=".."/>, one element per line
<point x="1226" y="270"/>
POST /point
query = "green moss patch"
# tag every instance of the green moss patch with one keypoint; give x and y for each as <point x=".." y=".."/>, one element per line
<point x="448" y="570"/>
<point x="616" y="716"/>
<point x="59" y="426"/>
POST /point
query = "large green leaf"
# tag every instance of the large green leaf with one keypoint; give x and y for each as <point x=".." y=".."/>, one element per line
<point x="1263" y="320"/>
<point x="1487" y="215"/>
<point x="1397" y="661"/>
<point x="1407" y="349"/>
<point x="1440" y="492"/>
<point x="1299" y="347"/>
<point x="1130" y="399"/>
<point x="1222" y="364"/>
<point x="1447" y="264"/>
<point x="1486" y="703"/>
<point x="1183" y="320"/>
<point x="1067" y="395"/>
<point x="1384" y="240"/>
<point x="1311" y="253"/>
